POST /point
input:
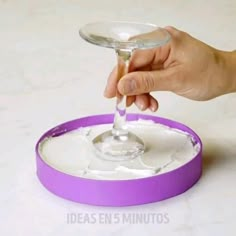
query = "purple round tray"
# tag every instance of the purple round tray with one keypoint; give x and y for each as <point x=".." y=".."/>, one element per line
<point x="118" y="192"/>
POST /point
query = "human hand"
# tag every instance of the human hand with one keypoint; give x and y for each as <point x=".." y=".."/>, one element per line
<point x="185" y="66"/>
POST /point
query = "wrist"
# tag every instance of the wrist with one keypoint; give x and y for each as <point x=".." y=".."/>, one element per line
<point x="229" y="70"/>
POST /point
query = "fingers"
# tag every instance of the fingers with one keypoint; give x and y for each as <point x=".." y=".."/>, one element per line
<point x="130" y="100"/>
<point x="141" y="58"/>
<point x="153" y="104"/>
<point x="146" y="101"/>
<point x="150" y="59"/>
<point x="142" y="101"/>
<point x="172" y="30"/>
<point x="110" y="90"/>
<point x="175" y="33"/>
<point x="141" y="82"/>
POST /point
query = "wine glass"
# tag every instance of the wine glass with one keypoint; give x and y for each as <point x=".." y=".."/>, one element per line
<point x="119" y="144"/>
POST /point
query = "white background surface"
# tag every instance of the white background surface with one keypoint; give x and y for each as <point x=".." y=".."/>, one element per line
<point x="48" y="75"/>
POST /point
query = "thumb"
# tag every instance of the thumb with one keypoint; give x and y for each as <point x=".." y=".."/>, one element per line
<point x="140" y="82"/>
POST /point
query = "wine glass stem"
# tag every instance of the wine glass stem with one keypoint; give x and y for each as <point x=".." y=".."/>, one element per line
<point x="119" y="125"/>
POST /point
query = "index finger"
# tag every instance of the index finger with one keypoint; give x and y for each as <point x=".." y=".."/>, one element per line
<point x="111" y="87"/>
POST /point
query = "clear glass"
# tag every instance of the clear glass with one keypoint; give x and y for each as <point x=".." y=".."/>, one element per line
<point x="119" y="144"/>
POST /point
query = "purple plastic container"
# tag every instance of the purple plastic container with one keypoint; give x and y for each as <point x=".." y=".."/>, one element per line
<point x="118" y="192"/>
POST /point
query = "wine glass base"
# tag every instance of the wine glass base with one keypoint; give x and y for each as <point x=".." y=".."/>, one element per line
<point x="118" y="148"/>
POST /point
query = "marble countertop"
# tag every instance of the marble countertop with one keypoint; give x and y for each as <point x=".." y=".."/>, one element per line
<point x="47" y="76"/>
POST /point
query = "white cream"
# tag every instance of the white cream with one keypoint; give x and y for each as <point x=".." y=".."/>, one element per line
<point x="166" y="149"/>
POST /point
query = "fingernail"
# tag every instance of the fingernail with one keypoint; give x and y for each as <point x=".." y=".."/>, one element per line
<point x="153" y="109"/>
<point x="129" y="86"/>
<point x="140" y="106"/>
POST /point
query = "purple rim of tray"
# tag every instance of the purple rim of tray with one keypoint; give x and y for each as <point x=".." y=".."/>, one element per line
<point x="118" y="192"/>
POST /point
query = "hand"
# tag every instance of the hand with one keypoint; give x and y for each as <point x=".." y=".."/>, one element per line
<point x="185" y="66"/>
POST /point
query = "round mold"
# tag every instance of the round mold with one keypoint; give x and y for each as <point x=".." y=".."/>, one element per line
<point x="118" y="192"/>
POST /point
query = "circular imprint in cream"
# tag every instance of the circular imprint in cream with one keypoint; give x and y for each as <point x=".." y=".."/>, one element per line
<point x="166" y="149"/>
